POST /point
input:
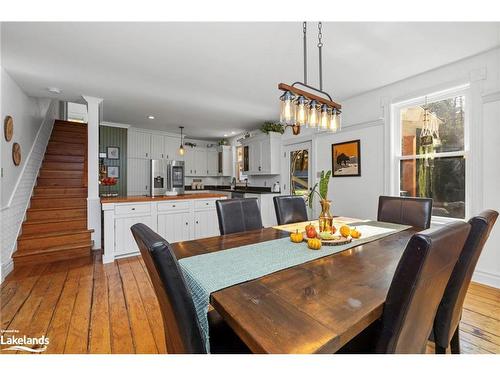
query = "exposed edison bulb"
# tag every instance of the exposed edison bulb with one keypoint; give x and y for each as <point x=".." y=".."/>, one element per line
<point x="301" y="111"/>
<point x="287" y="109"/>
<point x="181" y="150"/>
<point x="335" y="121"/>
<point x="324" y="121"/>
<point x="313" y="119"/>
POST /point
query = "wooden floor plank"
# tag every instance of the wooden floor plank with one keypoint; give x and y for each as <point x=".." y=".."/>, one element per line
<point x="150" y="302"/>
<point x="89" y="307"/>
<point x="78" y="332"/>
<point x="18" y="294"/>
<point x="122" y="341"/>
<point x="100" y="328"/>
<point x="143" y="337"/>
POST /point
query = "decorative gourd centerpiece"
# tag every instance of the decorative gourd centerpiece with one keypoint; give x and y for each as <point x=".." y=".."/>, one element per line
<point x="321" y="189"/>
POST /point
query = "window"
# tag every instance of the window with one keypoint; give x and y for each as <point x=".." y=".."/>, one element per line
<point x="430" y="150"/>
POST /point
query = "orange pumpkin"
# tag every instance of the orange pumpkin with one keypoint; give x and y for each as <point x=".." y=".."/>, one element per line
<point x="296" y="237"/>
<point x="314" y="243"/>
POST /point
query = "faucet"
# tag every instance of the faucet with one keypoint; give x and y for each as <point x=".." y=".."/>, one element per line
<point x="246" y="183"/>
<point x="233" y="183"/>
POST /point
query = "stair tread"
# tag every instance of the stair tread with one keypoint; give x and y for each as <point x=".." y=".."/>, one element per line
<point x="53" y="220"/>
<point x="58" y="196"/>
<point x="58" y="208"/>
<point x="58" y="233"/>
<point x="71" y="246"/>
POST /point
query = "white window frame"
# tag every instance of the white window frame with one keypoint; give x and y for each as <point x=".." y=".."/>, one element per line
<point x="397" y="157"/>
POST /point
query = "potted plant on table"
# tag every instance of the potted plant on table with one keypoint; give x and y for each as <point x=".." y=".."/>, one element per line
<point x="321" y="189"/>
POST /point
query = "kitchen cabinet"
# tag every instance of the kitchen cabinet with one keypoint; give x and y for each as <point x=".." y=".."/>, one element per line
<point x="139" y="144"/>
<point x="212" y="161"/>
<point x="157" y="147"/>
<point x="195" y="162"/>
<point x="175" y="226"/>
<point x="206" y="224"/>
<point x="200" y="162"/>
<point x="125" y="242"/>
<point x="264" y="152"/>
<point x="225" y="161"/>
<point x="171" y="148"/>
<point x="189" y="162"/>
<point x="173" y="219"/>
<point x="138" y="176"/>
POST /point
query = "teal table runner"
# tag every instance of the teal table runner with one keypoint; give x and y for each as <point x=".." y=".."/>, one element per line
<point x="208" y="273"/>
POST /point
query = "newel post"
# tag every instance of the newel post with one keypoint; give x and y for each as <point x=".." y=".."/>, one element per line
<point x="93" y="201"/>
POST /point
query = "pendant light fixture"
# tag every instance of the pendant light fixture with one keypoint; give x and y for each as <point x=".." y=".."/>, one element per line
<point x="181" y="148"/>
<point x="303" y="108"/>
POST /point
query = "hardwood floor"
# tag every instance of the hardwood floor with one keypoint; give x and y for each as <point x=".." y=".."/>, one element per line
<point x="84" y="306"/>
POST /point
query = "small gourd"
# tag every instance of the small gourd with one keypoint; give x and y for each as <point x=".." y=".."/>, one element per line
<point x="296" y="237"/>
<point x="314" y="243"/>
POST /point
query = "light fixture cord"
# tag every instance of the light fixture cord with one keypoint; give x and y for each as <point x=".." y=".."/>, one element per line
<point x="304" y="31"/>
<point x="320" y="46"/>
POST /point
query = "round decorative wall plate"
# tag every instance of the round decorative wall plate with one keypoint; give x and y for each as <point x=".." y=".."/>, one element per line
<point x="8" y="128"/>
<point x="16" y="153"/>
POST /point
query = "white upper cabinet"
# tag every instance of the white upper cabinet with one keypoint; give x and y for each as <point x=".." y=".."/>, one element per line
<point x="139" y="144"/>
<point x="200" y="162"/>
<point x="171" y="148"/>
<point x="138" y="174"/>
<point x="189" y="161"/>
<point x="225" y="161"/>
<point x="212" y="162"/>
<point x="157" y="147"/>
<point x="264" y="154"/>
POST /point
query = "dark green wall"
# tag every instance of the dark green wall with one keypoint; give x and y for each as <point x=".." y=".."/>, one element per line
<point x="115" y="137"/>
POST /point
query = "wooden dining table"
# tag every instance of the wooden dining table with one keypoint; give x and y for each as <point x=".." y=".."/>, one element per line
<point x="314" y="307"/>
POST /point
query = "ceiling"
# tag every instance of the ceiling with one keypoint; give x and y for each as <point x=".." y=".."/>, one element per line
<point x="218" y="78"/>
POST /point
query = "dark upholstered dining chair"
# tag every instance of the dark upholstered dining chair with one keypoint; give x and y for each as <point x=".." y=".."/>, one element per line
<point x="416" y="212"/>
<point x="290" y="209"/>
<point x="238" y="215"/>
<point x="447" y="321"/>
<point x="182" y="331"/>
<point x="414" y="294"/>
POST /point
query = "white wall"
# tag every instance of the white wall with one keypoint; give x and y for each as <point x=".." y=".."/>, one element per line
<point x="27" y="113"/>
<point x="367" y="117"/>
<point x="33" y="120"/>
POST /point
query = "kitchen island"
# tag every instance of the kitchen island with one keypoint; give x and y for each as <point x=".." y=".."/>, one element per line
<point x="175" y="218"/>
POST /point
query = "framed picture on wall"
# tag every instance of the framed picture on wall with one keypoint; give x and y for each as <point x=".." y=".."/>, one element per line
<point x="346" y="159"/>
<point x="113" y="152"/>
<point x="113" y="171"/>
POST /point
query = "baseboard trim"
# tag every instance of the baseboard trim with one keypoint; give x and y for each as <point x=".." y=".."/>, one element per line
<point x="6" y="269"/>
<point x="486" y="278"/>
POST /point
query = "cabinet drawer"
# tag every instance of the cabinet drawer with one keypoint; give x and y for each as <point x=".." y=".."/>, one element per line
<point x="200" y="204"/>
<point x="174" y="206"/>
<point x="128" y="209"/>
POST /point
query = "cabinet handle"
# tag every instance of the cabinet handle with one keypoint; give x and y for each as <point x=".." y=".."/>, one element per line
<point x="206" y="203"/>
<point x="259" y="168"/>
<point x="133" y="208"/>
<point x="173" y="205"/>
<point x="146" y="154"/>
<point x="162" y="156"/>
<point x="187" y="223"/>
<point x="197" y="222"/>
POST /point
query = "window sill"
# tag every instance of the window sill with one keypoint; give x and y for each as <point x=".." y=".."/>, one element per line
<point x="440" y="220"/>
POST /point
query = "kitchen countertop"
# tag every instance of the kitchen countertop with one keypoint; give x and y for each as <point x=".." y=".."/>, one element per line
<point x="249" y="190"/>
<point x="144" y="198"/>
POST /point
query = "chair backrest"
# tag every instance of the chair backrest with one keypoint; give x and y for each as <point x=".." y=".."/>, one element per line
<point x="290" y="209"/>
<point x="417" y="288"/>
<point x="238" y="215"/>
<point x="182" y="332"/>
<point x="450" y="309"/>
<point x="416" y="212"/>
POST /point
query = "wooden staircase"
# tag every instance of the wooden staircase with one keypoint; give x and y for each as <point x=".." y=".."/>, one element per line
<point x="56" y="222"/>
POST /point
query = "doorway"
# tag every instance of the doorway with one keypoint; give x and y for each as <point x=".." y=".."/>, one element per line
<point x="299" y="174"/>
